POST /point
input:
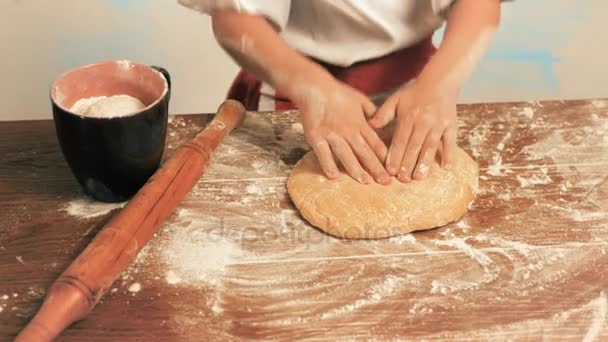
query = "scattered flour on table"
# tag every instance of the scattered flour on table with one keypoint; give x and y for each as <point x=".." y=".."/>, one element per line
<point x="540" y="177"/>
<point x="135" y="287"/>
<point x="463" y="226"/>
<point x="528" y="112"/>
<point x="376" y="294"/>
<point x="477" y="138"/>
<point x="403" y="239"/>
<point x="503" y="141"/>
<point x="86" y="208"/>
<point x="550" y="327"/>
<point x="598" y="322"/>
<point x="197" y="252"/>
<point x="297" y="127"/>
<point x="495" y="169"/>
<point x="254" y="189"/>
<point x="600" y="103"/>
<point x="172" y="278"/>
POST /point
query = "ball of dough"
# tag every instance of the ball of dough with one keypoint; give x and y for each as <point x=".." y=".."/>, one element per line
<point x="345" y="208"/>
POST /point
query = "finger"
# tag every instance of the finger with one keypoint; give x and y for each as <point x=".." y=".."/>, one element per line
<point x="449" y="147"/>
<point x="410" y="157"/>
<point x="326" y="158"/>
<point x="369" y="108"/>
<point x="374" y="141"/>
<point x="398" y="146"/>
<point x="427" y="155"/>
<point x="385" y="114"/>
<point x="349" y="161"/>
<point x="369" y="160"/>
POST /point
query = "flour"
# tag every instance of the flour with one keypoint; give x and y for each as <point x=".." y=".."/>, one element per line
<point x="490" y="270"/>
<point x="86" y="208"/>
<point x="495" y="169"/>
<point x="503" y="141"/>
<point x="135" y="287"/>
<point x="506" y="196"/>
<point x="463" y="226"/>
<point x="297" y="127"/>
<point x="600" y="103"/>
<point x="599" y="318"/>
<point x="527" y="112"/>
<point x="539" y="178"/>
<point x="107" y="107"/>
<point x="477" y="138"/>
<point x="4" y="297"/>
<point x="172" y="278"/>
<point x="196" y="254"/>
<point x="420" y="309"/>
<point x="376" y="294"/>
<point x="177" y="121"/>
<point x="257" y="164"/>
<point x="403" y="239"/>
<point x="577" y="215"/>
<point x="550" y="328"/>
<point x="254" y="189"/>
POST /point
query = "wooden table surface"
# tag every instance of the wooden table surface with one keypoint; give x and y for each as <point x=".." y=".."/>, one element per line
<point x="236" y="262"/>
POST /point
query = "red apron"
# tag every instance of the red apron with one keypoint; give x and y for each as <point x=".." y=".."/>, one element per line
<point x="371" y="77"/>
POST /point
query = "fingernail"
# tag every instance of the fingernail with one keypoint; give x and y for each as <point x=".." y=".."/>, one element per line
<point x="384" y="180"/>
<point x="365" y="179"/>
<point x="422" y="170"/>
<point x="404" y="178"/>
<point x="447" y="166"/>
<point x="333" y="173"/>
<point x="392" y="171"/>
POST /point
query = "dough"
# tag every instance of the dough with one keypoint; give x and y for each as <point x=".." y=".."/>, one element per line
<point x="107" y="107"/>
<point x="345" y="208"/>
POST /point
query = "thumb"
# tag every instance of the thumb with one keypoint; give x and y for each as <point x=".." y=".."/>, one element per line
<point x="384" y="115"/>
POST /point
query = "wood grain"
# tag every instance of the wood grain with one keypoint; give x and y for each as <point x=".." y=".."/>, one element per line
<point x="526" y="263"/>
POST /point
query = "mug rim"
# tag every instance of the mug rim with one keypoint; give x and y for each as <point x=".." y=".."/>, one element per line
<point x="94" y="64"/>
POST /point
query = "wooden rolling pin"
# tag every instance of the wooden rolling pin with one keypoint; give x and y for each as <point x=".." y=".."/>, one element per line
<point x="74" y="294"/>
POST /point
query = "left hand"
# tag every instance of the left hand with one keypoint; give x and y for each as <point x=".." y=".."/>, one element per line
<point x="426" y="124"/>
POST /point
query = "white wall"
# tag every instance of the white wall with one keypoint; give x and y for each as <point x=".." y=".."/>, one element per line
<point x="545" y="49"/>
<point x="50" y="37"/>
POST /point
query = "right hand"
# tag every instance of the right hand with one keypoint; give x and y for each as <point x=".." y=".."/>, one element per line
<point x="334" y="116"/>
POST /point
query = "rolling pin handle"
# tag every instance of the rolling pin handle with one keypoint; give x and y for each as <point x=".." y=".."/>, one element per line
<point x="65" y="303"/>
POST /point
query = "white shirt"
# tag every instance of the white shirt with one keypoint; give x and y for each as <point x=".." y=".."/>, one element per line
<point x="342" y="32"/>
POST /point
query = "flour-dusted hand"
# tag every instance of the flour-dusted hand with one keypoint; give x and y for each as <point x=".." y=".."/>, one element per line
<point x="334" y="116"/>
<point x="426" y="111"/>
<point x="426" y="124"/>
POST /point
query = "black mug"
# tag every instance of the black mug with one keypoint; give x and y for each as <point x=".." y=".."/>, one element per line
<point x="112" y="157"/>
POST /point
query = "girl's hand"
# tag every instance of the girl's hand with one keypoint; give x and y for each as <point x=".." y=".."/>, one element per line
<point x="334" y="116"/>
<point x="426" y="124"/>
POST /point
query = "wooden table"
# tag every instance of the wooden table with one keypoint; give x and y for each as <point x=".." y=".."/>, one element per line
<point x="236" y="261"/>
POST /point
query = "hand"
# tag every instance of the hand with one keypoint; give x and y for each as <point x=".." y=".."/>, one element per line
<point x="334" y="117"/>
<point x="426" y="124"/>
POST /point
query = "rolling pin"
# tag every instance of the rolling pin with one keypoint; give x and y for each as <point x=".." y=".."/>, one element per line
<point x="74" y="294"/>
